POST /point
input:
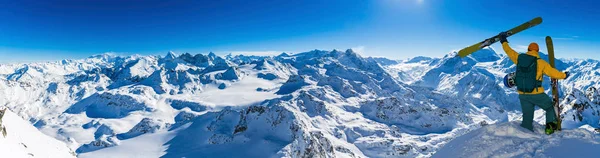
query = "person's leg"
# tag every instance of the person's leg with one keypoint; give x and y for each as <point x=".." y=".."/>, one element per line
<point x="545" y="102"/>
<point x="528" y="108"/>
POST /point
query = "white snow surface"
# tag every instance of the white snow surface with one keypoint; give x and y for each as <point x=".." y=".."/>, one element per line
<point x="511" y="140"/>
<point x="311" y="104"/>
<point x="148" y="145"/>
<point x="22" y="140"/>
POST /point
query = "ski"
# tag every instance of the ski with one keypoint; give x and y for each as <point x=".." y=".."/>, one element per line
<point x="487" y="42"/>
<point x="554" y="82"/>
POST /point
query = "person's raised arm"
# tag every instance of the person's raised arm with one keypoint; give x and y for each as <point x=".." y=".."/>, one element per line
<point x="512" y="54"/>
<point x="550" y="71"/>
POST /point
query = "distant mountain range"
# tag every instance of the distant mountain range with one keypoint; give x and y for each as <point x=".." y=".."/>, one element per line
<point x="311" y="104"/>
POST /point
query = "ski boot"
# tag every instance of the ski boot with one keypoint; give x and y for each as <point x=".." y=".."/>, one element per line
<point x="551" y="127"/>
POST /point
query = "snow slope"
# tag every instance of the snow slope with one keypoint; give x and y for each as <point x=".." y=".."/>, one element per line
<point x="23" y="140"/>
<point x="511" y="140"/>
<point x="143" y="146"/>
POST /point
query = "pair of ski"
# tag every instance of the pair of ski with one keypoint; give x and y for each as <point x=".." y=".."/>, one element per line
<point x="534" y="22"/>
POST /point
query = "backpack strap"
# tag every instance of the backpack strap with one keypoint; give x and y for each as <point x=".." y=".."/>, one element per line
<point x="539" y="80"/>
<point x="541" y="76"/>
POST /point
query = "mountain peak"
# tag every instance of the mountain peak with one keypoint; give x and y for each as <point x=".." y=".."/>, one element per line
<point x="350" y="51"/>
<point x="212" y="55"/>
<point x="284" y="54"/>
<point x="486" y="54"/>
<point x="104" y="56"/>
<point x="418" y="59"/>
<point x="170" y="56"/>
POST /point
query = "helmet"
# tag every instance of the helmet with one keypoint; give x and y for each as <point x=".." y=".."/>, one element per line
<point x="509" y="80"/>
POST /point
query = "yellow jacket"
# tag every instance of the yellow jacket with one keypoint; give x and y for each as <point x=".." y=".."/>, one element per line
<point x="542" y="67"/>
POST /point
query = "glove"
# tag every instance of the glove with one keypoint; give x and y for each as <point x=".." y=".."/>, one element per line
<point x="503" y="36"/>
<point x="567" y="74"/>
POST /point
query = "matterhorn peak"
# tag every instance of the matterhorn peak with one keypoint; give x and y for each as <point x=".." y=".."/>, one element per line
<point x="170" y="56"/>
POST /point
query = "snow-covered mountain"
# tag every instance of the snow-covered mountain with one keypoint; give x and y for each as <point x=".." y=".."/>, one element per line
<point x="312" y="104"/>
<point x="19" y="139"/>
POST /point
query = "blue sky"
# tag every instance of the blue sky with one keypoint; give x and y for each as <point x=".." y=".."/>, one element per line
<point x="32" y="30"/>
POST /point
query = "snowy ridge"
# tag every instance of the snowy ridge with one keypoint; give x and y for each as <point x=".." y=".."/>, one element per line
<point x="311" y="104"/>
<point x="510" y="140"/>
<point x="581" y="108"/>
<point x="22" y="140"/>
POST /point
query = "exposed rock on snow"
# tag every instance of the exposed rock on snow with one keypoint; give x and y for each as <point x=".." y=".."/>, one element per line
<point x="180" y="104"/>
<point x="292" y="84"/>
<point x="107" y="105"/>
<point x="415" y="116"/>
<point x="183" y="118"/>
<point x="232" y="73"/>
<point x="103" y="130"/>
<point x="147" y="125"/>
<point x="267" y="76"/>
<point x="99" y="143"/>
<point x="217" y="133"/>
<point x="593" y="94"/>
<point x="579" y="109"/>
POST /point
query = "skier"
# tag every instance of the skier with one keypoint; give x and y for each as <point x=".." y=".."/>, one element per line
<point x="528" y="79"/>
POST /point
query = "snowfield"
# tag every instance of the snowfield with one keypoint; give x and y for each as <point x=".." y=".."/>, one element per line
<point x="311" y="104"/>
<point x="511" y="140"/>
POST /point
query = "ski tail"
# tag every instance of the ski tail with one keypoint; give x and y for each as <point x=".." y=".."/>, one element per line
<point x="487" y="42"/>
<point x="554" y="82"/>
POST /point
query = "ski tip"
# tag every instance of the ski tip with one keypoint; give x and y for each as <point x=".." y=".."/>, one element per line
<point x="548" y="38"/>
<point x="537" y="19"/>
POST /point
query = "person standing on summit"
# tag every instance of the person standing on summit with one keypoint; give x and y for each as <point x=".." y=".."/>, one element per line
<point x="528" y="79"/>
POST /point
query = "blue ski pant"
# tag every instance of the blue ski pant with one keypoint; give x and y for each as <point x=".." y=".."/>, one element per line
<point x="528" y="103"/>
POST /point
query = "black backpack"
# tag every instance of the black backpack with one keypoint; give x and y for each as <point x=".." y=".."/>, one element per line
<point x="525" y="78"/>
